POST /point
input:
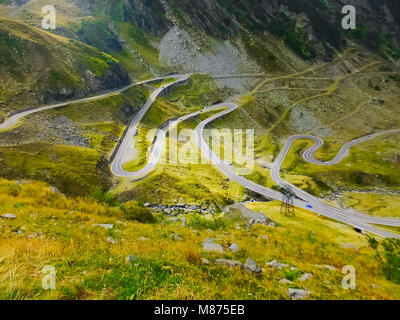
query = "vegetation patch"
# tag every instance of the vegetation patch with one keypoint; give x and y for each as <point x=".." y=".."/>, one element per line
<point x="163" y="260"/>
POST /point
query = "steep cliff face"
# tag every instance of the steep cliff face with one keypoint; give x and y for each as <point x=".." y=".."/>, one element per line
<point x="310" y="21"/>
<point x="148" y="15"/>
<point x="311" y="28"/>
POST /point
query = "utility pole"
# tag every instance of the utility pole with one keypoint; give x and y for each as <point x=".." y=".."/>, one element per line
<point x="287" y="206"/>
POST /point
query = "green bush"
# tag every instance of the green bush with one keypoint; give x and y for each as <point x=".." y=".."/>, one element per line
<point x="13" y="190"/>
<point x="292" y="275"/>
<point x="135" y="211"/>
<point x="391" y="261"/>
<point x="198" y="222"/>
<point x="105" y="197"/>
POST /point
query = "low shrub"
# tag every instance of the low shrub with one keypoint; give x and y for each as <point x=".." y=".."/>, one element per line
<point x="135" y="211"/>
<point x="199" y="222"/>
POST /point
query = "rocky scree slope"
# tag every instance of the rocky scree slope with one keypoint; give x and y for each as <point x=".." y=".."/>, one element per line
<point x="310" y="27"/>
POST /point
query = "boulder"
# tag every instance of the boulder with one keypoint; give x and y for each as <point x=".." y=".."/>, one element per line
<point x="285" y="281"/>
<point x="130" y="259"/>
<point x="234" y="247"/>
<point x="8" y="216"/>
<point x="296" y="294"/>
<point x="106" y="226"/>
<point x="275" y="264"/>
<point x="54" y="190"/>
<point x="252" y="267"/>
<point x="305" y="277"/>
<point x="228" y="263"/>
<point x="210" y="245"/>
<point x="111" y="240"/>
<point x="239" y="211"/>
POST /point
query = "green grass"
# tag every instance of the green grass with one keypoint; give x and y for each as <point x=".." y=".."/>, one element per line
<point x="142" y="146"/>
<point x="106" y="110"/>
<point x="75" y="170"/>
<point x="98" y="66"/>
<point x="60" y="64"/>
<point x="59" y="231"/>
<point x="375" y="204"/>
<point x="197" y="184"/>
<point x="201" y="91"/>
<point x="365" y="167"/>
<point x="207" y="223"/>
<point x="142" y="44"/>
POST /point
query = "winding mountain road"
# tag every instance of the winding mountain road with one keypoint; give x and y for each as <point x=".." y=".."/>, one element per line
<point x="126" y="150"/>
<point x="125" y="153"/>
<point x="308" y="156"/>
<point x="305" y="201"/>
<point x="358" y="220"/>
<point x="19" y="114"/>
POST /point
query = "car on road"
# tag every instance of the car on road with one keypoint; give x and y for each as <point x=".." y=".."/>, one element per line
<point x="309" y="206"/>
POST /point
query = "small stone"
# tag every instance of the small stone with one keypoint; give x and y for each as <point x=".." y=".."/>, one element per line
<point x="177" y="237"/>
<point x="285" y="281"/>
<point x="35" y="235"/>
<point x="54" y="190"/>
<point x="8" y="216"/>
<point x="252" y="267"/>
<point x="130" y="259"/>
<point x="106" y="226"/>
<point x="234" y="247"/>
<point x="305" y="277"/>
<point x="228" y="263"/>
<point x="143" y="239"/>
<point x="111" y="240"/>
<point x="275" y="264"/>
<point x="296" y="294"/>
<point x="213" y="247"/>
<point x="348" y="246"/>
<point x="326" y="266"/>
<point x="205" y="261"/>
<point x="210" y="245"/>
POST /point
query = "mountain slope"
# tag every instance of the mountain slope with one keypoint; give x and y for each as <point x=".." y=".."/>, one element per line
<point x="38" y="67"/>
<point x="305" y="25"/>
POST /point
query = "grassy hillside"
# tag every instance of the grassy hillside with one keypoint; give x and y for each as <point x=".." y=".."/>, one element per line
<point x="166" y="256"/>
<point x="38" y="67"/>
<point x="70" y="147"/>
<point x="350" y="97"/>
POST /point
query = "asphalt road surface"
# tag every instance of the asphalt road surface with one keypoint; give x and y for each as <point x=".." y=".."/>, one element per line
<point x="357" y="220"/>
<point x="13" y="120"/>
<point x="126" y="152"/>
